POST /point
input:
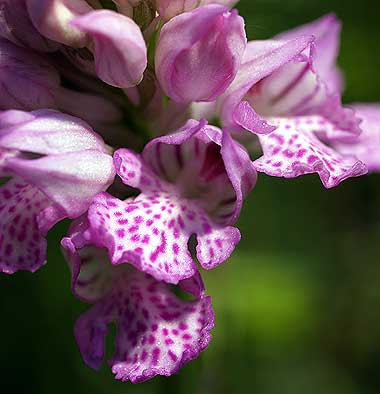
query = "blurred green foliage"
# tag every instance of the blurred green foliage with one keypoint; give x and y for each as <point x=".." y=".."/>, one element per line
<point x="298" y="305"/>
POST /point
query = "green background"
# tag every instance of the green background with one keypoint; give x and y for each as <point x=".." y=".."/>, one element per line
<point x="298" y="305"/>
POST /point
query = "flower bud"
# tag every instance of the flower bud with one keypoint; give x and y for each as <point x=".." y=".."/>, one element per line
<point x="52" y="19"/>
<point x="170" y="8"/>
<point x="199" y="52"/>
<point x="28" y="81"/>
<point x="119" y="47"/>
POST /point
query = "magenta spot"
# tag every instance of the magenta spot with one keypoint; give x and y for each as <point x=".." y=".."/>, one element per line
<point x="288" y="153"/>
<point x="135" y="237"/>
<point x="169" y="341"/>
<point x="311" y="159"/>
<point x="8" y="250"/>
<point x="172" y="356"/>
<point x="186" y="337"/>
<point x="155" y="355"/>
<point x="130" y="208"/>
<point x="138" y="219"/>
<point x="182" y="326"/>
<point x="165" y="331"/>
<point x="151" y="339"/>
<point x="131" y="174"/>
<point x="301" y="153"/>
<point x="149" y="222"/>
<point x="139" y="250"/>
<point x="277" y="164"/>
<point x="175" y="248"/>
<point x="145" y="239"/>
<point x="154" y="327"/>
<point x="120" y="233"/>
<point x="133" y="229"/>
<point x="180" y="221"/>
<point x="144" y="355"/>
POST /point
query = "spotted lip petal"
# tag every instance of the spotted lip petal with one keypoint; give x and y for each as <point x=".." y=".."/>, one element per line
<point x="157" y="332"/>
<point x="293" y="150"/>
<point x="154" y="240"/>
<point x="366" y="147"/>
<point x="22" y="245"/>
<point x="120" y="50"/>
<point x="183" y="71"/>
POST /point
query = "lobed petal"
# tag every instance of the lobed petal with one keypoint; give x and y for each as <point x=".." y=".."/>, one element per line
<point x="156" y="331"/>
<point x="152" y="233"/>
<point x="293" y="150"/>
<point x="22" y="245"/>
<point x="120" y="50"/>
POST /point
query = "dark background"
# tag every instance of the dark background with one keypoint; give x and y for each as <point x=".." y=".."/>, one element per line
<point x="297" y="307"/>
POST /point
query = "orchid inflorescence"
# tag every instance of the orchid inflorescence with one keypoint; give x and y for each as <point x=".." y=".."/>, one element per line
<point x="137" y="120"/>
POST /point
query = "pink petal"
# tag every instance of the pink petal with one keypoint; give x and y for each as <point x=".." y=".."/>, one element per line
<point x="326" y="31"/>
<point x="366" y="147"/>
<point x="183" y="70"/>
<point x="70" y="180"/>
<point x="260" y="60"/>
<point x="293" y="150"/>
<point x="27" y="80"/>
<point x="52" y="19"/>
<point x="47" y="132"/>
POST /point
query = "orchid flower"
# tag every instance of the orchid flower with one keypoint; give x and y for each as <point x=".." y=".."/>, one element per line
<point x="192" y="183"/>
<point x="125" y="83"/>
<point x="37" y="150"/>
<point x="298" y="96"/>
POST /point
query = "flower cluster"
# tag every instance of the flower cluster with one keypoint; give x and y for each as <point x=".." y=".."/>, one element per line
<point x="136" y="120"/>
